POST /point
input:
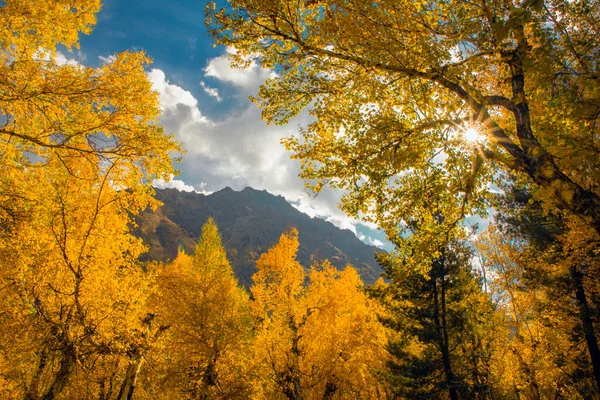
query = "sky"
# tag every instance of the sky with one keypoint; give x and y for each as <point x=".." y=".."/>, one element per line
<point x="205" y="104"/>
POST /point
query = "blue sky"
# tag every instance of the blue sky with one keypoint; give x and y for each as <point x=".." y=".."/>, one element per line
<point x="172" y="33"/>
<point x="205" y="104"/>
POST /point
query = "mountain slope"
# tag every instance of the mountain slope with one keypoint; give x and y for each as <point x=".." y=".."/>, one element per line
<point x="250" y="222"/>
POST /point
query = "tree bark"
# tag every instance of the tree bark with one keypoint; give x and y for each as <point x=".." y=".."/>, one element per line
<point x="137" y="359"/>
<point x="67" y="366"/>
<point x="209" y="377"/>
<point x="32" y="391"/>
<point x="330" y="389"/>
<point x="439" y="314"/>
<point x="569" y="195"/>
<point x="585" y="316"/>
<point x="291" y="377"/>
<point x="128" y="385"/>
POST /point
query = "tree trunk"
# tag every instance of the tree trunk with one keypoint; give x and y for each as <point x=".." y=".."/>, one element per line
<point x="32" y="391"/>
<point x="571" y="196"/>
<point x="209" y="377"/>
<point x="291" y="377"/>
<point x="67" y="365"/>
<point x="330" y="389"/>
<point x="137" y="358"/>
<point x="450" y="378"/>
<point x="585" y="316"/>
<point x="441" y="326"/>
<point x="128" y="385"/>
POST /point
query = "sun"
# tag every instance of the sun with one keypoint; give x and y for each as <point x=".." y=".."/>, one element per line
<point x="471" y="134"/>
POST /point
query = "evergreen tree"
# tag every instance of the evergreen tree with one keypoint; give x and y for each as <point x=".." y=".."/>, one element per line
<point x="443" y="322"/>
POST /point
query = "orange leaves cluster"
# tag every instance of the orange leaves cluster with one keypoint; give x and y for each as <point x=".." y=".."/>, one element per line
<point x="78" y="149"/>
<point x="298" y="335"/>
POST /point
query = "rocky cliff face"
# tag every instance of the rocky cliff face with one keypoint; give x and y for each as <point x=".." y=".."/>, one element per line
<point x="250" y="222"/>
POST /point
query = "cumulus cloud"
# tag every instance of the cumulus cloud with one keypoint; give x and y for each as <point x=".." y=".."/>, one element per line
<point x="376" y="242"/>
<point x="170" y="95"/>
<point x="239" y="150"/>
<point x="324" y="206"/>
<point x="373" y="241"/>
<point x="248" y="79"/>
<point x="59" y="58"/>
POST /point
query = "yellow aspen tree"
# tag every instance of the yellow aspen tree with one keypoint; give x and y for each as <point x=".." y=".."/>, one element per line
<point x="277" y="293"/>
<point x="344" y="340"/>
<point x="542" y="354"/>
<point x="205" y="352"/>
<point x="401" y="90"/>
<point x="73" y="291"/>
<point x="106" y="115"/>
<point x="79" y="148"/>
<point x="548" y="260"/>
<point x="318" y="335"/>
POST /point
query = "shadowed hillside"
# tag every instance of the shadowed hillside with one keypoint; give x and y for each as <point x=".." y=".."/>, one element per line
<point x="250" y="222"/>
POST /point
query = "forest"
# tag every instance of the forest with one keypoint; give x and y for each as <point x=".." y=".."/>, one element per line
<point x="424" y="114"/>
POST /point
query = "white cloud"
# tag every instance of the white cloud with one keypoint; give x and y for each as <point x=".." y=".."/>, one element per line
<point x="107" y="60"/>
<point x="59" y="58"/>
<point x="325" y="206"/>
<point x="239" y="150"/>
<point x="179" y="185"/>
<point x="370" y="240"/>
<point x="173" y="97"/>
<point x="305" y="208"/>
<point x="376" y="242"/>
<point x="212" y="92"/>
<point x="248" y="79"/>
<point x="455" y="54"/>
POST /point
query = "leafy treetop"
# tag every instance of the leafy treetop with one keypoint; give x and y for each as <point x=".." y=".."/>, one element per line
<point x="393" y="84"/>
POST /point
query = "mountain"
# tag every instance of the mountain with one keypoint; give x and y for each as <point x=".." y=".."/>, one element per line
<point x="250" y="221"/>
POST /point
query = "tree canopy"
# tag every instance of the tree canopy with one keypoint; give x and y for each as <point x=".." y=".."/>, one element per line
<point x="419" y="108"/>
<point x="106" y="116"/>
<point x="79" y="148"/>
<point x="394" y="85"/>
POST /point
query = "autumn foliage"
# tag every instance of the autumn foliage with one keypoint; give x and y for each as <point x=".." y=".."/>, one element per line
<point x="512" y="313"/>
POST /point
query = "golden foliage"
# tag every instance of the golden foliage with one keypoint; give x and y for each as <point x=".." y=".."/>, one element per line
<point x="393" y="85"/>
<point x="78" y="149"/>
<point x="321" y="339"/>
<point x="205" y="352"/>
<point x="72" y="287"/>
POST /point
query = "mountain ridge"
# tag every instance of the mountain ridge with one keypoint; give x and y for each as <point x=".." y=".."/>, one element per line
<point x="250" y="222"/>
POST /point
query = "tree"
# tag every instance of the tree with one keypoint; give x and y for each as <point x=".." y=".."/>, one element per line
<point x="315" y="339"/>
<point x="344" y="340"/>
<point x="540" y="354"/>
<point x="73" y="292"/>
<point x="277" y="304"/>
<point x="545" y="276"/>
<point x="206" y="351"/>
<point x="105" y="115"/>
<point x="444" y="322"/>
<point x="393" y="84"/>
<point x="79" y="148"/>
